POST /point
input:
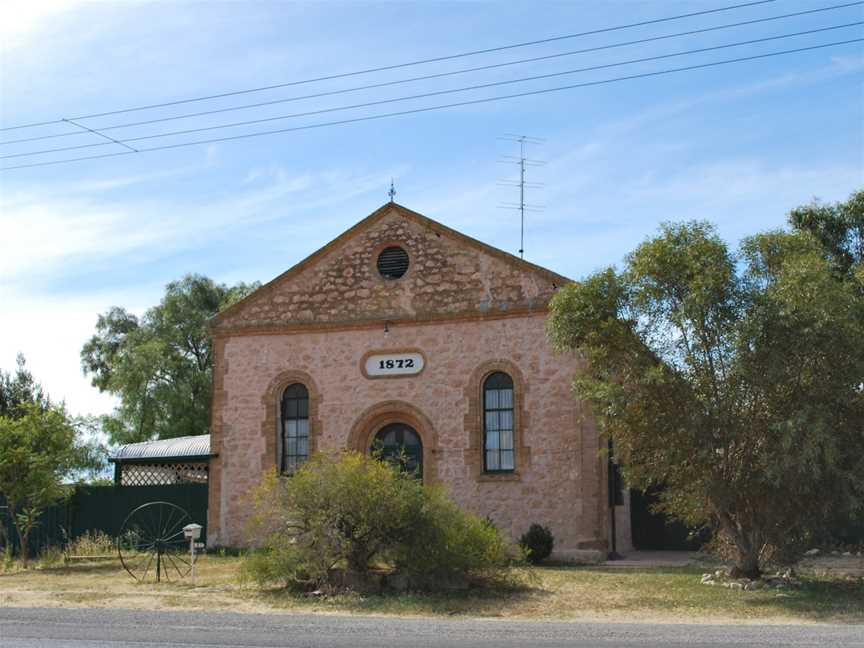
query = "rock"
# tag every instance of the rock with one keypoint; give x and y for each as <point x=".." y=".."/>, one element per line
<point x="847" y="553"/>
<point x="360" y="582"/>
<point x="835" y="553"/>
<point x="719" y="573"/>
<point x="812" y="552"/>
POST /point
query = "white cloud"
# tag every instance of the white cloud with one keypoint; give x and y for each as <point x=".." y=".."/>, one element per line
<point x="44" y="231"/>
<point x="21" y="20"/>
<point x="40" y="235"/>
<point x="50" y="334"/>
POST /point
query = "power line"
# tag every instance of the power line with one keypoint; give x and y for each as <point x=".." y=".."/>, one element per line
<point x="426" y="95"/>
<point x="396" y="66"/>
<point x="444" y="106"/>
<point x="427" y="77"/>
<point x="96" y="132"/>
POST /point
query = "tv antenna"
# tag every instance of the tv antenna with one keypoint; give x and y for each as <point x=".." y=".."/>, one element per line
<point x="523" y="161"/>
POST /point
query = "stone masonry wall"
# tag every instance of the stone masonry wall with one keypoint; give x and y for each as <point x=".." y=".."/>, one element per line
<point x="447" y="276"/>
<point x="558" y="481"/>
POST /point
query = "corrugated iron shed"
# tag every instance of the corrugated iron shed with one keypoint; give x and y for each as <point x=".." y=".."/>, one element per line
<point x="164" y="449"/>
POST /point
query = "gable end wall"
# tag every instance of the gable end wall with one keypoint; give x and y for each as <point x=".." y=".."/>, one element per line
<point x="447" y="277"/>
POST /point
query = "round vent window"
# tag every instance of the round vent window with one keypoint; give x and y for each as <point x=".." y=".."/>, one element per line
<point x="393" y="262"/>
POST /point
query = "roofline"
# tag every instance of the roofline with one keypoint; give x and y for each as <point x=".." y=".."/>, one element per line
<point x="168" y="459"/>
<point x="376" y="215"/>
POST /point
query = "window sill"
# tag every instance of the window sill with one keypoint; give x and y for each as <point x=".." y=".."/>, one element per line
<point x="499" y="476"/>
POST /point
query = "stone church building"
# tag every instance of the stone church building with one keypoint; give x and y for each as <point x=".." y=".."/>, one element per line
<point x="406" y="335"/>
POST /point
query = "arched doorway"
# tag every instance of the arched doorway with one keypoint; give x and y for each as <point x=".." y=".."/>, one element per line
<point x="400" y="443"/>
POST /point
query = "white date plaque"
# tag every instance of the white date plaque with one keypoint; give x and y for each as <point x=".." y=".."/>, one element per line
<point x="379" y="365"/>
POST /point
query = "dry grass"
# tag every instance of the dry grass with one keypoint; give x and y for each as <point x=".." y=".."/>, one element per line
<point x="663" y="594"/>
<point x="91" y="543"/>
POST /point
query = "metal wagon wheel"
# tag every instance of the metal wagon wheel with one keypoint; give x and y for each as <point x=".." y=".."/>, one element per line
<point x="152" y="544"/>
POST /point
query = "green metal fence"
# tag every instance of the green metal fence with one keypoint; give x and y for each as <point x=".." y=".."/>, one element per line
<point x="103" y="508"/>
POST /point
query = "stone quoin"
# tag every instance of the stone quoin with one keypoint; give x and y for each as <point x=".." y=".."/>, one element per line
<point x="406" y="333"/>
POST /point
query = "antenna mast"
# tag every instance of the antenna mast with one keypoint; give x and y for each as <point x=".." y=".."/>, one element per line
<point x="523" y="161"/>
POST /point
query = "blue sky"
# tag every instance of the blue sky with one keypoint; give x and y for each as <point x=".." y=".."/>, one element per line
<point x="738" y="145"/>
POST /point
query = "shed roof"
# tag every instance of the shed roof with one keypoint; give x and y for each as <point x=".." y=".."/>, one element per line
<point x="177" y="448"/>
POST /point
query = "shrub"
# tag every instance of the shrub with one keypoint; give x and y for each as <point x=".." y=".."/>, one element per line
<point x="448" y="541"/>
<point x="92" y="543"/>
<point x="354" y="513"/>
<point x="537" y="542"/>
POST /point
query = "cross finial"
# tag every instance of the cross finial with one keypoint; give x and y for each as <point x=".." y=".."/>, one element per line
<point x="392" y="192"/>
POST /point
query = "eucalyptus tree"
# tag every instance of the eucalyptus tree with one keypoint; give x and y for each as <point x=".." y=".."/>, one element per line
<point x="160" y="364"/>
<point x="839" y="227"/>
<point x="732" y="380"/>
<point x="20" y="389"/>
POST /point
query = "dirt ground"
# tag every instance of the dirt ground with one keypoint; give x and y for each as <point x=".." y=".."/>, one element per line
<point x="835" y="564"/>
<point x="832" y="591"/>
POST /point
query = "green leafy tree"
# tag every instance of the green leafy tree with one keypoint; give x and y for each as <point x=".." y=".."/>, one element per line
<point x="19" y="390"/>
<point x="839" y="227"/>
<point x="37" y="450"/>
<point x="40" y="447"/>
<point x="159" y="365"/>
<point x="733" y="382"/>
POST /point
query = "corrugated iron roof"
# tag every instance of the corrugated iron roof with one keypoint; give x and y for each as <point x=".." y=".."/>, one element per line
<point x="188" y="446"/>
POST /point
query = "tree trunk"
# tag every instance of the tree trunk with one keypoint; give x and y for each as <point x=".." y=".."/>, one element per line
<point x="747" y="564"/>
<point x="358" y="558"/>
<point x="748" y="548"/>
<point x="23" y="538"/>
<point x="25" y="548"/>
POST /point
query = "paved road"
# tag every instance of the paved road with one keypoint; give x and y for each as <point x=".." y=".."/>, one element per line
<point x="100" y="628"/>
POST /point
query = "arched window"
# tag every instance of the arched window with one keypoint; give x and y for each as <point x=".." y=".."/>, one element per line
<point x="400" y="443"/>
<point x="295" y="427"/>
<point x="498" y="423"/>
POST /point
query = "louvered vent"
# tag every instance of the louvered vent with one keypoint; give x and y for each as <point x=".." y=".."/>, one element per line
<point x="393" y="262"/>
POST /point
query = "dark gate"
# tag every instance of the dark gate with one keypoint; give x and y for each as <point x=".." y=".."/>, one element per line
<point x="655" y="530"/>
<point x="103" y="508"/>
